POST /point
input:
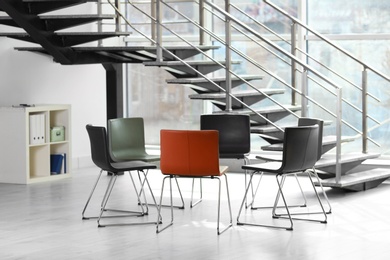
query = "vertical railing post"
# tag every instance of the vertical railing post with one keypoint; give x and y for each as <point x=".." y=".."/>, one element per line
<point x="159" y="33"/>
<point x="338" y="133"/>
<point x="293" y="63"/>
<point x="305" y="93"/>
<point x="364" y="110"/>
<point x="118" y="17"/>
<point x="202" y="35"/>
<point x="153" y="24"/>
<point x="100" y="24"/>
<point x="228" y="57"/>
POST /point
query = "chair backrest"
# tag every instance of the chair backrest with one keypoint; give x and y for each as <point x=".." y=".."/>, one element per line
<point x="306" y="121"/>
<point x="300" y="148"/>
<point x="99" y="152"/>
<point x="126" y="138"/>
<point x="189" y="152"/>
<point x="234" y="133"/>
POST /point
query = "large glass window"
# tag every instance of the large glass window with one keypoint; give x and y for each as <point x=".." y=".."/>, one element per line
<point x="359" y="27"/>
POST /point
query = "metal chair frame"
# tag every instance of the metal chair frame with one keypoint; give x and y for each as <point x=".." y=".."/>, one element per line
<point x="219" y="231"/>
<point x="303" y="121"/>
<point x="234" y="140"/>
<point x="100" y="156"/>
<point x="126" y="139"/>
<point x="299" y="155"/>
<point x="191" y="154"/>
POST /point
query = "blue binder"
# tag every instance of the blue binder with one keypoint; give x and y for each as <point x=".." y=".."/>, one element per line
<point x="56" y="161"/>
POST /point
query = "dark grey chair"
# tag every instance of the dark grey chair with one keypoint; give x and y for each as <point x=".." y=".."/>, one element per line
<point x="101" y="158"/>
<point x="300" y="148"/>
<point x="234" y="136"/>
<point x="303" y="121"/>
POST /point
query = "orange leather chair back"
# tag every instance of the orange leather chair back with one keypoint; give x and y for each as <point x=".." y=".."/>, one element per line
<point x="189" y="152"/>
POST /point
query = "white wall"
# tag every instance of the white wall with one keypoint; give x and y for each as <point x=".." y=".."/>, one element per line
<point x="35" y="79"/>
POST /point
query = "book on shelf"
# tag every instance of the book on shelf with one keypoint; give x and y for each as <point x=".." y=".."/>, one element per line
<point x="58" y="163"/>
<point x="37" y="128"/>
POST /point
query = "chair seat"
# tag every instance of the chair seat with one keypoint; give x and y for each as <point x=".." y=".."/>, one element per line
<point x="137" y="157"/>
<point x="272" y="167"/>
<point x="232" y="155"/>
<point x="133" y="165"/>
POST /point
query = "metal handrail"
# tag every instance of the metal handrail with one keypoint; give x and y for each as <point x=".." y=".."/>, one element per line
<point x="302" y="51"/>
<point x="227" y="15"/>
<point x="365" y="66"/>
<point x="208" y="56"/>
<point x="325" y="39"/>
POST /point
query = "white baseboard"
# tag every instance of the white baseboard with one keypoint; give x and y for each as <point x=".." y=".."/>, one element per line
<point x="82" y="162"/>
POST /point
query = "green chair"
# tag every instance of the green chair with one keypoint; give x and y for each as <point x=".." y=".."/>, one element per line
<point x="126" y="138"/>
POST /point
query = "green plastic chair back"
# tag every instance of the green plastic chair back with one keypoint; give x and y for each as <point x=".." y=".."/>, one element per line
<point x="127" y="140"/>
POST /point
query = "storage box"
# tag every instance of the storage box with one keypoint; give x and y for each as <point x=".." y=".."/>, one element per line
<point x="57" y="134"/>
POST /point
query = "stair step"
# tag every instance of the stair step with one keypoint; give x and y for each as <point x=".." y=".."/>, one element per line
<point x="6" y="20"/>
<point x="205" y="85"/>
<point x="183" y="52"/>
<point x="272" y="134"/>
<point x="44" y="6"/>
<point x="328" y="142"/>
<point x="358" y="181"/>
<point x="330" y="159"/>
<point x="236" y="93"/>
<point x="180" y="70"/>
<point x="69" y="38"/>
<point x="59" y="22"/>
<point x="248" y="97"/>
<point x="104" y="54"/>
<point x="273" y="113"/>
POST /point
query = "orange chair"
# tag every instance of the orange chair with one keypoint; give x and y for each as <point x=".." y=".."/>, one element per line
<point x="191" y="154"/>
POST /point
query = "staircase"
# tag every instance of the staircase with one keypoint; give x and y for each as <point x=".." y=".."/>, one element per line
<point x="194" y="66"/>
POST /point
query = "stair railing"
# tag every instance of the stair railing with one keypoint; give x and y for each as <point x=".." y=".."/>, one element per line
<point x="304" y="73"/>
<point x="229" y="71"/>
<point x="306" y="68"/>
<point x="160" y="45"/>
<point x="364" y="80"/>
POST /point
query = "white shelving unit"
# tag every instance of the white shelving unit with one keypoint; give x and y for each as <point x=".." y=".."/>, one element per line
<point x="24" y="161"/>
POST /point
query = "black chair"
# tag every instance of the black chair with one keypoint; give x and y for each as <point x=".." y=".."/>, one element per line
<point x="234" y="136"/>
<point x="303" y="121"/>
<point x="300" y="148"/>
<point x="101" y="158"/>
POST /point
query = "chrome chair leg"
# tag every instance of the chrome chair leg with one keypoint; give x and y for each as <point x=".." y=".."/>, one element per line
<point x="278" y="197"/>
<point x="182" y="206"/>
<point x="192" y="193"/>
<point x="90" y="196"/>
<point x="219" y="206"/>
<point x="313" y="171"/>
<point x="158" y="229"/>
<point x="135" y="214"/>
<point x="159" y="217"/>
<point x="107" y="196"/>
<point x="128" y="212"/>
<point x="246" y="162"/>
<point x="323" y="191"/>
<point x="240" y="223"/>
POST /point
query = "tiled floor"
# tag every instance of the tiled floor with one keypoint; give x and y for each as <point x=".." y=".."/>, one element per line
<point x="43" y="221"/>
